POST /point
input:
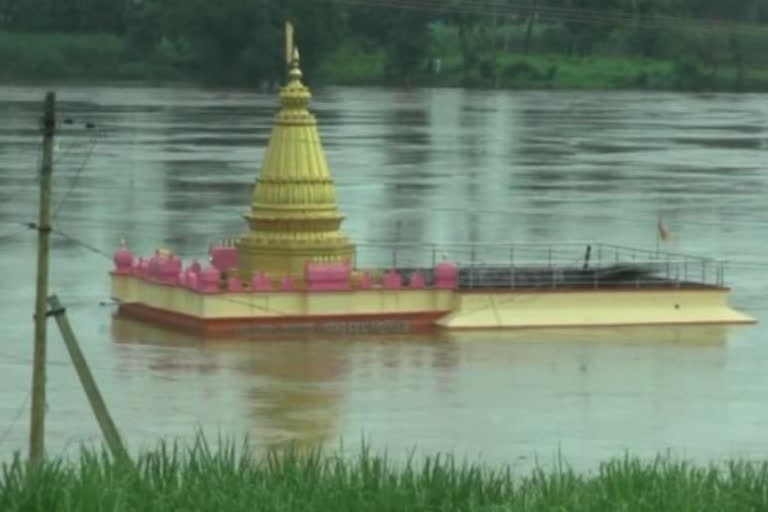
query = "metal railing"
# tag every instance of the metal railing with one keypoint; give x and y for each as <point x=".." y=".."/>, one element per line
<point x="547" y="265"/>
<point x="571" y="264"/>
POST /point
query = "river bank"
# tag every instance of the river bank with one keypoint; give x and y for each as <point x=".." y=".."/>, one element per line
<point x="229" y="477"/>
<point x="83" y="58"/>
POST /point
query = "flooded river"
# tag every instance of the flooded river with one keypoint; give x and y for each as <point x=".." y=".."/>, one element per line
<point x="174" y="167"/>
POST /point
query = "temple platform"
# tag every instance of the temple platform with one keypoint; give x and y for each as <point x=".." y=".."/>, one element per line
<point x="665" y="289"/>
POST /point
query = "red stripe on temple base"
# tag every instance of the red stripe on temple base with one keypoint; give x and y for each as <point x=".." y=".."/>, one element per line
<point x="394" y="323"/>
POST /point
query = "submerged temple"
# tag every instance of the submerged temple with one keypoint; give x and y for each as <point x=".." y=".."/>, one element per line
<point x="294" y="269"/>
<point x="294" y="217"/>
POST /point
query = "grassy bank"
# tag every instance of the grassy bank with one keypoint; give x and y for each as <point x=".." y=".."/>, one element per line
<point x="349" y="65"/>
<point x="102" y="57"/>
<point x="201" y="479"/>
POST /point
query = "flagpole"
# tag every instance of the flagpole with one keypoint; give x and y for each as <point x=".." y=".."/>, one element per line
<point x="662" y="233"/>
<point x="288" y="43"/>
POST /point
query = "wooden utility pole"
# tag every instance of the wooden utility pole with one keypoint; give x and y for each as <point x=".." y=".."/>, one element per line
<point x="108" y="428"/>
<point x="37" y="419"/>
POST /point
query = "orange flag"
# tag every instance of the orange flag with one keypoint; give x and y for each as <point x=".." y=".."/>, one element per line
<point x="664" y="233"/>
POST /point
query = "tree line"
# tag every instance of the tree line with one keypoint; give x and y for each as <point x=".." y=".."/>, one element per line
<point x="240" y="40"/>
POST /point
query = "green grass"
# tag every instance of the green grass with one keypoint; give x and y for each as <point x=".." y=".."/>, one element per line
<point x="199" y="478"/>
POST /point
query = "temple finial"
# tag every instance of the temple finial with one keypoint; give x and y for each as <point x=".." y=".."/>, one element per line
<point x="295" y="72"/>
<point x="291" y="53"/>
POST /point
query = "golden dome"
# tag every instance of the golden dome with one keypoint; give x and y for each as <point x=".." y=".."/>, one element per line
<point x="294" y="215"/>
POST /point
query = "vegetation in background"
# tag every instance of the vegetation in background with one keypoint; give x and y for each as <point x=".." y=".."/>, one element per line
<point x="239" y="42"/>
<point x="229" y="478"/>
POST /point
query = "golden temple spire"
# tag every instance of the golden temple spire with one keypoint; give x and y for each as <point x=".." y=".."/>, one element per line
<point x="294" y="215"/>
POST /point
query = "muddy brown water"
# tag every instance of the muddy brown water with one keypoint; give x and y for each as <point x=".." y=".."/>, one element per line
<point x="174" y="167"/>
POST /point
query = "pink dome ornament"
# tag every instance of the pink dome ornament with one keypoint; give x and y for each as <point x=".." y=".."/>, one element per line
<point x="416" y="281"/>
<point x="366" y="281"/>
<point x="260" y="282"/>
<point x="123" y="259"/>
<point x="446" y="275"/>
<point x="170" y="275"/>
<point x="195" y="267"/>
<point x="191" y="280"/>
<point x="288" y="284"/>
<point x="210" y="273"/>
<point x="209" y="280"/>
<point x="192" y="270"/>
<point x="143" y="267"/>
<point x="234" y="284"/>
<point x="392" y="280"/>
<point x="153" y="270"/>
<point x="327" y="276"/>
<point x="170" y="268"/>
<point x="223" y="258"/>
<point x="176" y="264"/>
<point x="159" y="269"/>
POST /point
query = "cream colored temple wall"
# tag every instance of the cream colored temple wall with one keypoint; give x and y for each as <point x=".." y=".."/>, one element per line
<point x="359" y="302"/>
<point x="271" y="304"/>
<point x="520" y="309"/>
<point x="130" y="289"/>
<point x="470" y="309"/>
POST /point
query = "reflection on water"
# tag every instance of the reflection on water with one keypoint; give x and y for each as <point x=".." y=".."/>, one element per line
<point x="289" y="388"/>
<point x="175" y="167"/>
<point x="687" y="335"/>
<point x="465" y="391"/>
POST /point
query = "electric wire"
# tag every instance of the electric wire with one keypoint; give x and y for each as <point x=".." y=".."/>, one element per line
<point x="370" y="244"/>
<point x="466" y="7"/>
<point x="458" y="210"/>
<point x="78" y="172"/>
<point x="513" y="9"/>
<point x="12" y="234"/>
<point x="81" y="243"/>
<point x="107" y="226"/>
<point x="36" y="180"/>
<point x="19" y="412"/>
<point x="253" y="306"/>
<point x="144" y="227"/>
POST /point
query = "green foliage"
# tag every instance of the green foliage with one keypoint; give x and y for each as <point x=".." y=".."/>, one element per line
<point x="408" y="45"/>
<point x="239" y="42"/>
<point x="320" y="28"/>
<point x="231" y="478"/>
<point x="353" y="64"/>
<point x="58" y="16"/>
<point x="69" y="56"/>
